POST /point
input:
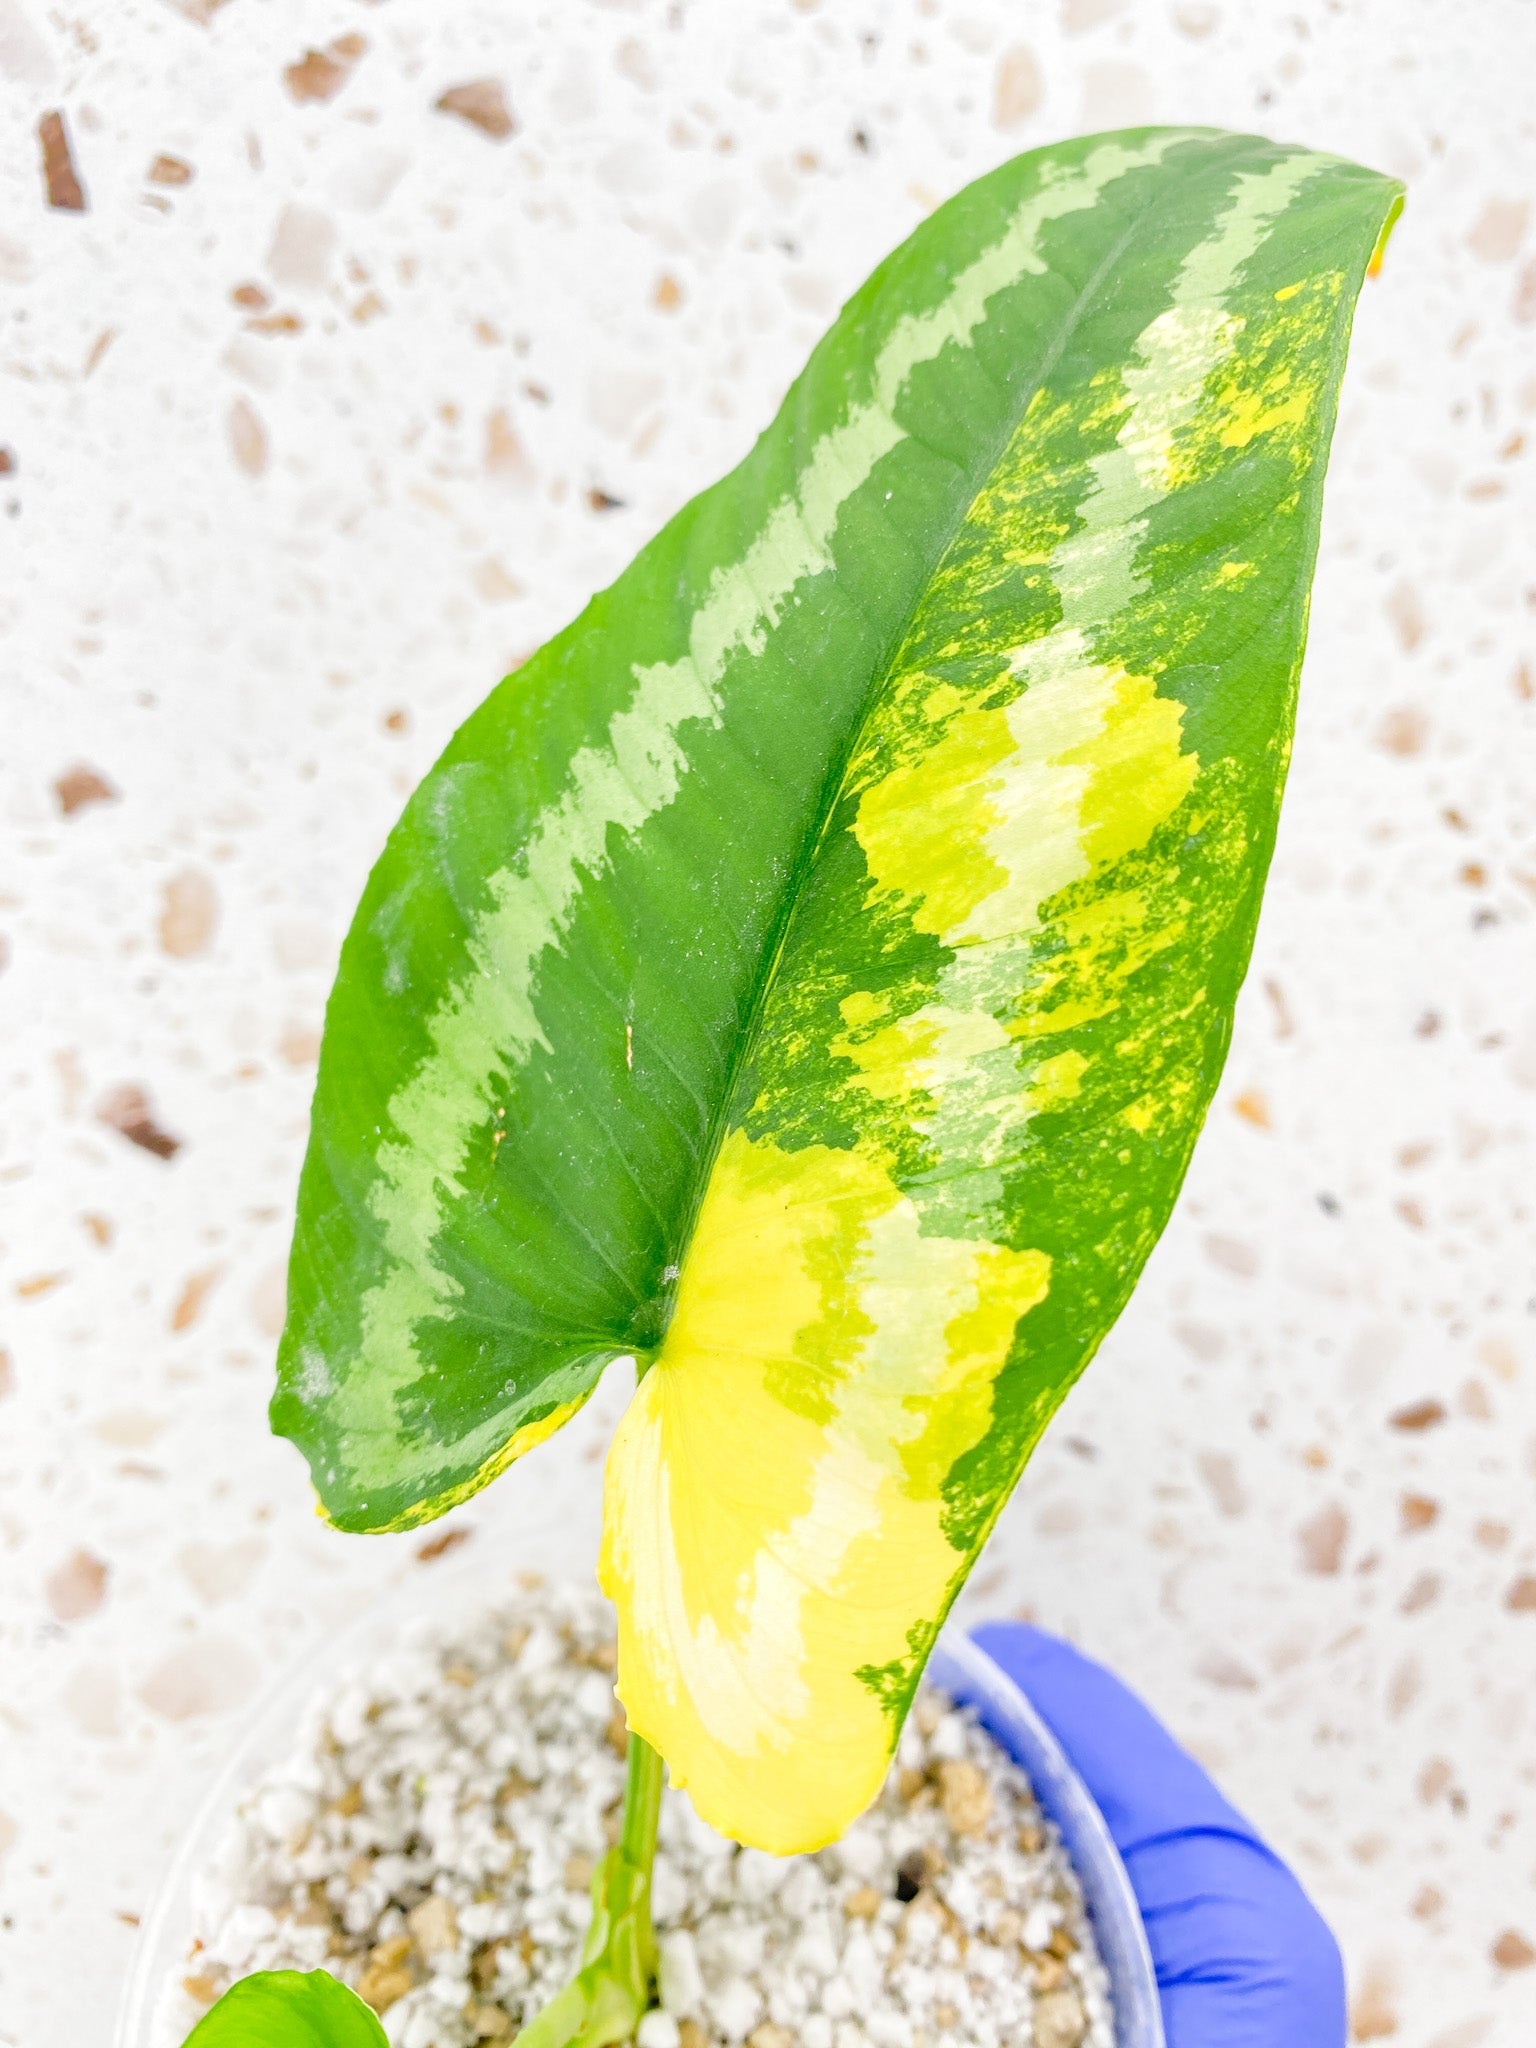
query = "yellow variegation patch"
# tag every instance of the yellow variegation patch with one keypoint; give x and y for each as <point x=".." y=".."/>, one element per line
<point x="774" y="1518"/>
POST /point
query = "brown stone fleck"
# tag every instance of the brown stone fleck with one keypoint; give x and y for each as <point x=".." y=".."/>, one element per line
<point x="1406" y="615"/>
<point x="189" y="913"/>
<point x="862" y="1903"/>
<point x="1232" y="1255"/>
<point x="170" y="170"/>
<point x="127" y="1111"/>
<point x="77" y="1588"/>
<point x="668" y="294"/>
<point x="505" y="456"/>
<point x="200" y="1987"/>
<point x="190" y="1301"/>
<point x="495" y="583"/>
<point x="1497" y="233"/>
<point x="1405" y="1686"/>
<point x="489" y="2021"/>
<point x="39" y="1284"/>
<point x="691" y="2035"/>
<point x="299" y="1046"/>
<point x="1322" y="1539"/>
<point x="1219" y="1471"/>
<point x="769" y="2035"/>
<point x="439" y="1546"/>
<point x="603" y="501"/>
<point x="482" y="102"/>
<point x="1512" y="1951"/>
<point x="60" y="177"/>
<point x="1221" y="1668"/>
<point x="1253" y="1108"/>
<point x="317" y="76"/>
<point x="1403" y="731"/>
<point x="80" y="786"/>
<point x="1473" y="1400"/>
<point x="1422" y="1593"/>
<point x="1521" y="1597"/>
<point x="1373" y="2010"/>
<point x="1418" y="1415"/>
<point x="1016" y="87"/>
<point x="254" y="296"/>
<point x="1418" y="1511"/>
<point x="247" y="437"/>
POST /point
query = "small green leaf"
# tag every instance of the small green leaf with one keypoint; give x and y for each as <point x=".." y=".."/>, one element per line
<point x="812" y="969"/>
<point x="288" y="2009"/>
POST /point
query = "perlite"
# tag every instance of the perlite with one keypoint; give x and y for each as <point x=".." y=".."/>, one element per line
<point x="425" y="1837"/>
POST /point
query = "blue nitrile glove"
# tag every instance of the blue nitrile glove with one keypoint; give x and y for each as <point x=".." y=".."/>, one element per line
<point x="1243" y="1957"/>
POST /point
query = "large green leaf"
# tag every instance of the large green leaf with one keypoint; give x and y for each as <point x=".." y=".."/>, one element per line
<point x="811" y="970"/>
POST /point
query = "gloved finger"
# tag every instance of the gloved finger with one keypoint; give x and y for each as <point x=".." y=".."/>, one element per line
<point x="1243" y="1958"/>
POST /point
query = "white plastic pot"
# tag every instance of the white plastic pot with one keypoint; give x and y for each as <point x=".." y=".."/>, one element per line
<point x="152" y="2015"/>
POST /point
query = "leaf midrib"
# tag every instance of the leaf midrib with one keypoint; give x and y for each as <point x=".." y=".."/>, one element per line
<point x="832" y="785"/>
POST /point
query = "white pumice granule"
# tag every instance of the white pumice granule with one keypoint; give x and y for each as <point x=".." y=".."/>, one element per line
<point x="432" y="1835"/>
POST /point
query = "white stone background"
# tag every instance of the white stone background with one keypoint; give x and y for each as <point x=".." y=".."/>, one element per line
<point x="258" y="561"/>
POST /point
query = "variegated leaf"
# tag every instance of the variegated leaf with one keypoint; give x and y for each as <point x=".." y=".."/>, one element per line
<point x="811" y="971"/>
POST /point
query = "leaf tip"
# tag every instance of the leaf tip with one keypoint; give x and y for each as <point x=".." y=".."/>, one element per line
<point x="1378" y="254"/>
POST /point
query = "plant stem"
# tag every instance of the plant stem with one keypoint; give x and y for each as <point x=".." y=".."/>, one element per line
<point x="642" y="1803"/>
<point x="612" y="1990"/>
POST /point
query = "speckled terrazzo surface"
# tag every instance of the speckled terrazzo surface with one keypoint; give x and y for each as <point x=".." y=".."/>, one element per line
<point x="322" y="408"/>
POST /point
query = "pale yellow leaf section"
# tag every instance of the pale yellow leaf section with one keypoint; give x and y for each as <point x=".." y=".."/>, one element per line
<point x="1012" y="805"/>
<point x="773" y="1518"/>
